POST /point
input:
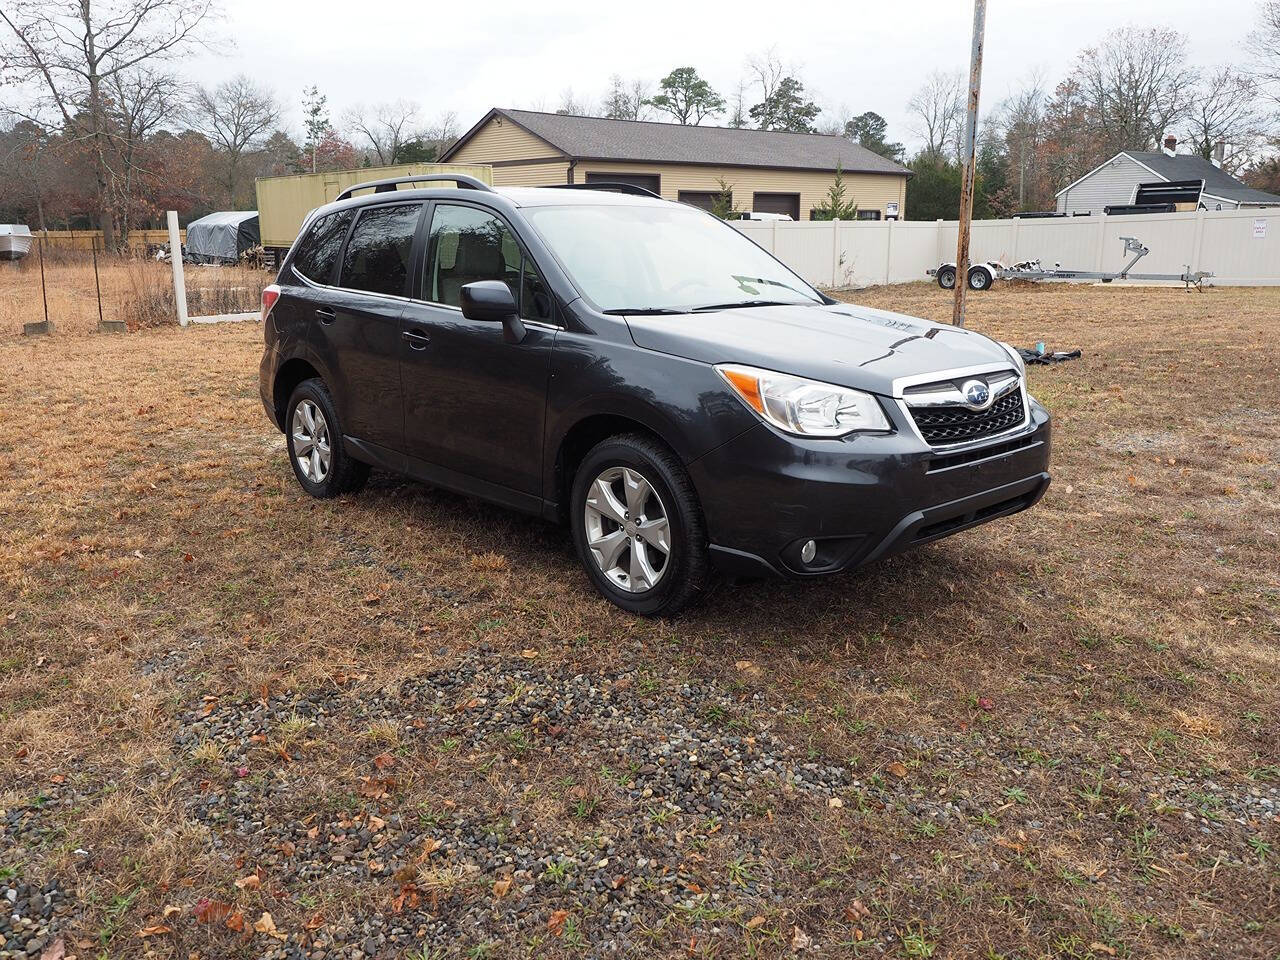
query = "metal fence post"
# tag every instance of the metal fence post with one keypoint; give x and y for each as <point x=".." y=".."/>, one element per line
<point x="97" y="284"/>
<point x="179" y="280"/>
<point x="44" y="294"/>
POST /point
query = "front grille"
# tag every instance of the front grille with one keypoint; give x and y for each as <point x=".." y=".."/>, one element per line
<point x="943" y="425"/>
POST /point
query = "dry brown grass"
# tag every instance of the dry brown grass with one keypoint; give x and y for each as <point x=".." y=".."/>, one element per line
<point x="137" y="291"/>
<point x="1131" y="620"/>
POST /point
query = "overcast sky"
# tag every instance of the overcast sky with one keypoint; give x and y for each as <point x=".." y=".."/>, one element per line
<point x="467" y="57"/>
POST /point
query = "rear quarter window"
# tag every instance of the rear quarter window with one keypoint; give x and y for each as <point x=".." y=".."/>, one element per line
<point x="318" y="251"/>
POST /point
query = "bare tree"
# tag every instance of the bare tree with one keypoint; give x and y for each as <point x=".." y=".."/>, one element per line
<point x="143" y="101"/>
<point x="68" y="49"/>
<point x="1135" y="86"/>
<point x="576" y="106"/>
<point x="1021" y="121"/>
<point x="236" y="116"/>
<point x="937" y="109"/>
<point x="626" y="101"/>
<point x="768" y="71"/>
<point x="26" y="155"/>
<point x="386" y="127"/>
<point x="1224" y="110"/>
<point x="1264" y="44"/>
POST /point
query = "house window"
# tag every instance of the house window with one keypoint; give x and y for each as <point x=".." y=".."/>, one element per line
<point x="868" y="214"/>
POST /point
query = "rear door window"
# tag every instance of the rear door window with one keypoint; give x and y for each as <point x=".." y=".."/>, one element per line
<point x="318" y="252"/>
<point x="378" y="254"/>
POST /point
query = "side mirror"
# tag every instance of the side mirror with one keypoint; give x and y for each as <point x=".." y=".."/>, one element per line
<point x="491" y="301"/>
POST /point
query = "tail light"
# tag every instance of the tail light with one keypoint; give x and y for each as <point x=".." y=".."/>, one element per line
<point x="270" y="295"/>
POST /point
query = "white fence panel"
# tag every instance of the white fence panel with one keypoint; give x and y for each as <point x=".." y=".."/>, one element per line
<point x="1242" y="250"/>
<point x="1240" y="247"/>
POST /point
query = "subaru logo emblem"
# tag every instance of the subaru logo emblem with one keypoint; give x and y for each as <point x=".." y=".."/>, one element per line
<point x="976" y="394"/>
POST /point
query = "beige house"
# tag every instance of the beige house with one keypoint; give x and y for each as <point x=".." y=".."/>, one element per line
<point x="766" y="171"/>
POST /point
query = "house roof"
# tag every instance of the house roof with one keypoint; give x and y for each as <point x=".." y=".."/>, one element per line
<point x="598" y="138"/>
<point x="1217" y="181"/>
<point x="1184" y="166"/>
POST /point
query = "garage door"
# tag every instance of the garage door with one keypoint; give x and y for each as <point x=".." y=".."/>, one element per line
<point x="705" y="199"/>
<point x="650" y="181"/>
<point x="788" y="203"/>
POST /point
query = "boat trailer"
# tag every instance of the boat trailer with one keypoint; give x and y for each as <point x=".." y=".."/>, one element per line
<point x="983" y="275"/>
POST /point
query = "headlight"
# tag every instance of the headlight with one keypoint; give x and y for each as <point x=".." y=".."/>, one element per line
<point x="1015" y="356"/>
<point x="805" y="407"/>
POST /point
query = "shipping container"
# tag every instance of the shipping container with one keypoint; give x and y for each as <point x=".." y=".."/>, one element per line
<point x="283" y="202"/>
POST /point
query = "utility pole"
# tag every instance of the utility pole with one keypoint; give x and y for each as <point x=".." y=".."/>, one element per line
<point x="970" y="161"/>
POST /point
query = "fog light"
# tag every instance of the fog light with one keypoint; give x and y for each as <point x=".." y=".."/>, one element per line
<point x="809" y="551"/>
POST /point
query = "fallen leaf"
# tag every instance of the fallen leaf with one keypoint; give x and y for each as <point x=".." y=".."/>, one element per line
<point x="898" y="769"/>
<point x="986" y="703"/>
<point x="316" y="921"/>
<point x="1097" y="947"/>
<point x="756" y="921"/>
<point x="235" y="922"/>
<point x="210" y="911"/>
<point x="528" y="654"/>
<point x="21" y="754"/>
<point x="856" y="911"/>
<point x="384" y="760"/>
<point x="155" y="930"/>
<point x="835" y="803"/>
<point x="800" y="940"/>
<point x="501" y="888"/>
<point x="267" y="925"/>
<point x="54" y="951"/>
<point x="556" y="922"/>
<point x="251" y="882"/>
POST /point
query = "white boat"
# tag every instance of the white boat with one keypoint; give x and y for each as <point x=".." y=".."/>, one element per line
<point x="15" y="241"/>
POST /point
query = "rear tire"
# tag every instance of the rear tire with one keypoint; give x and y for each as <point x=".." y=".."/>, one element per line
<point x="638" y="526"/>
<point x="979" y="278"/>
<point x="313" y="434"/>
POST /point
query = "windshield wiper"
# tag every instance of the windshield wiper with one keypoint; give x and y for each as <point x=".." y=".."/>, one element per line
<point x="744" y="303"/>
<point x="644" y="311"/>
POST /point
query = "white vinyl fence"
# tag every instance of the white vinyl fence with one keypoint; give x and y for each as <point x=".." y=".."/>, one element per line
<point x="1239" y="247"/>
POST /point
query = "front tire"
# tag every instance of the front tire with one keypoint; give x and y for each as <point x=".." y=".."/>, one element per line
<point x="638" y="526"/>
<point x="947" y="278"/>
<point x="313" y="435"/>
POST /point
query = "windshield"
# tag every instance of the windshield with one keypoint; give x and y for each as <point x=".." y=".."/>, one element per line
<point x="667" y="258"/>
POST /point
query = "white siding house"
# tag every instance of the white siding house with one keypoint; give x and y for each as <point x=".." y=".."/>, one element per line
<point x="1115" y="182"/>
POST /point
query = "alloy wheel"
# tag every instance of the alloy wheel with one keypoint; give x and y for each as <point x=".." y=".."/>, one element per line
<point x="311" y="443"/>
<point x="628" y="529"/>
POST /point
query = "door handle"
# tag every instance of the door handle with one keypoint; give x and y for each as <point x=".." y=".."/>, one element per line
<point x="326" y="315"/>
<point x="417" y="339"/>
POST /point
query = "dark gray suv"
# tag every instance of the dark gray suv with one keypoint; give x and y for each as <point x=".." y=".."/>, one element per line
<point x="642" y="371"/>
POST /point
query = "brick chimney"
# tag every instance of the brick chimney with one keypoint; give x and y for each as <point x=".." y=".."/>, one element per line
<point x="1219" y="153"/>
<point x="1171" y="145"/>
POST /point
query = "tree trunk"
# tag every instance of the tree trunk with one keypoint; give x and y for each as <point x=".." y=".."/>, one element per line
<point x="106" y="216"/>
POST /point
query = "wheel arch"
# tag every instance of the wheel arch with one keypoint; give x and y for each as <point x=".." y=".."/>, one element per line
<point x="583" y="433"/>
<point x="291" y="373"/>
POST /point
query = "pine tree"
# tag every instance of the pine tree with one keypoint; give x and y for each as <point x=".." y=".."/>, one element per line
<point x="315" y="118"/>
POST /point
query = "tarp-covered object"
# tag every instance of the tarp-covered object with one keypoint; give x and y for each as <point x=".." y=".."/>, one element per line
<point x="222" y="236"/>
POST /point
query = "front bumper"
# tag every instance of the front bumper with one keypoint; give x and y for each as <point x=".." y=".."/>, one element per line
<point x="861" y="499"/>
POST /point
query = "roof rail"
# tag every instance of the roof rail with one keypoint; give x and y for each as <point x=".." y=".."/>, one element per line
<point x="388" y="185"/>
<point x="631" y="188"/>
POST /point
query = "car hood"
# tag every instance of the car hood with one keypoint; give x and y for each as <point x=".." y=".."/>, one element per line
<point x="845" y="344"/>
